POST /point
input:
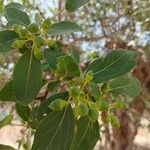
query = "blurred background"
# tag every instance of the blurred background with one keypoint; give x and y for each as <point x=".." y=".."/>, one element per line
<point x="107" y="25"/>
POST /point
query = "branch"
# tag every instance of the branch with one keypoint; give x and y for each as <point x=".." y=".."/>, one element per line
<point x="88" y="39"/>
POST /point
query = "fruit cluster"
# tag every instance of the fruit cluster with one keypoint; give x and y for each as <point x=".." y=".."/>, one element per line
<point x="33" y="38"/>
<point x="89" y="99"/>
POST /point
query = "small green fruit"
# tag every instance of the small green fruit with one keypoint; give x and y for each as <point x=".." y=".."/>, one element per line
<point x="38" y="53"/>
<point x="83" y="109"/>
<point x="18" y="44"/>
<point x="55" y="45"/>
<point x="119" y="105"/>
<point x="33" y="27"/>
<point x="23" y="33"/>
<point x="58" y="104"/>
<point x="114" y="121"/>
<point x="102" y="105"/>
<point x="16" y="28"/>
<point x="38" y="41"/>
<point x="89" y="76"/>
<point x="79" y="80"/>
<point x="46" y="24"/>
<point x="105" y="88"/>
<point x="74" y="92"/>
<point x="93" y="114"/>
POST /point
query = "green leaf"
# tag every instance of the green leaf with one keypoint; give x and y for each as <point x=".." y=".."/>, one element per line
<point x="53" y="85"/>
<point x="125" y="85"/>
<point x="75" y="54"/>
<point x="115" y="64"/>
<point x="64" y="27"/>
<point x="14" y="5"/>
<point x="72" y="5"/>
<point x="27" y="79"/>
<point x="6" y="121"/>
<point x="23" y="111"/>
<point x="7" y="37"/>
<point x="16" y="16"/>
<point x="55" y="132"/>
<point x="67" y="67"/>
<point x="6" y="93"/>
<point x="86" y="136"/>
<point x="6" y="147"/>
<point x="43" y="109"/>
<point x="33" y="122"/>
<point x="51" y="57"/>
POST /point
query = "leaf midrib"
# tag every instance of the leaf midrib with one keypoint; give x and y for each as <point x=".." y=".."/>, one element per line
<point x="58" y="127"/>
<point x="111" y="64"/>
<point x="28" y="74"/>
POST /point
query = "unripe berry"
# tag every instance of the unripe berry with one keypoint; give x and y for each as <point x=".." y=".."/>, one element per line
<point x="38" y="53"/>
<point x="38" y="41"/>
<point x="105" y="88"/>
<point x="119" y="105"/>
<point x="23" y="33"/>
<point x="74" y="92"/>
<point x="114" y="121"/>
<point x="33" y="27"/>
<point x="55" y="45"/>
<point x="58" y="104"/>
<point x="89" y="77"/>
<point x="93" y="114"/>
<point x="102" y="105"/>
<point x="16" y="28"/>
<point x="18" y="44"/>
<point x="83" y="109"/>
<point x="46" y="24"/>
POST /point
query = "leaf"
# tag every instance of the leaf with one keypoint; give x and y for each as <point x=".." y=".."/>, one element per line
<point x="7" y="93"/>
<point x="55" y="131"/>
<point x="16" y="16"/>
<point x="6" y="121"/>
<point x="53" y="85"/>
<point x="23" y="111"/>
<point x="86" y="136"/>
<point x="72" y="5"/>
<point x="75" y="54"/>
<point x="115" y="64"/>
<point x="14" y="5"/>
<point x="51" y="57"/>
<point x="64" y="27"/>
<point x="6" y="147"/>
<point x="43" y="109"/>
<point x="27" y="79"/>
<point x="125" y="85"/>
<point x="7" y="37"/>
<point x="67" y="67"/>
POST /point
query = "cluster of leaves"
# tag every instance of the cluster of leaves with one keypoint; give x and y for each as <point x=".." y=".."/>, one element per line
<point x="69" y="119"/>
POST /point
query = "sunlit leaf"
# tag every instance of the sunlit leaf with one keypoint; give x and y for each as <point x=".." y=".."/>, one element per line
<point x="125" y="85"/>
<point x="115" y="64"/>
<point x="27" y="79"/>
